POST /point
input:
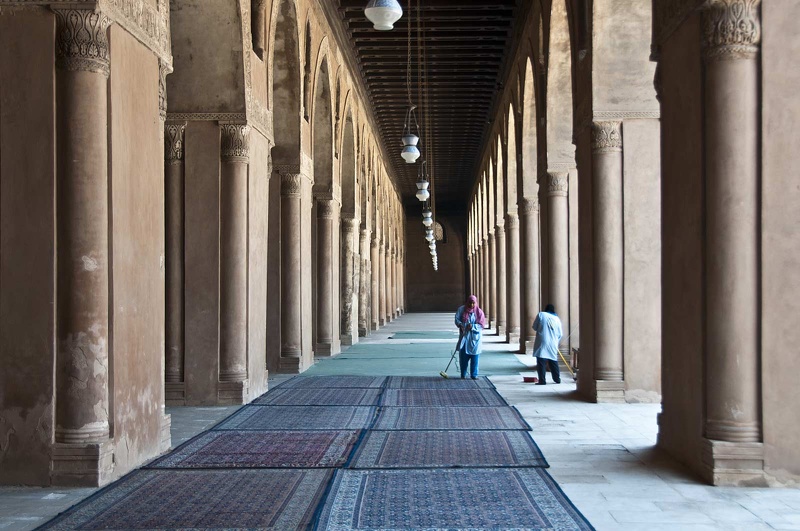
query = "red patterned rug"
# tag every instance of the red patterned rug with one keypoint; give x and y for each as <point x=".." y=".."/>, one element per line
<point x="321" y="397"/>
<point x="299" y="418"/>
<point x="271" y="499"/>
<point x="262" y="449"/>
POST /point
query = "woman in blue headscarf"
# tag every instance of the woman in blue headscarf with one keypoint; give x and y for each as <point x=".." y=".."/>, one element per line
<point x="548" y="334"/>
<point x="470" y="321"/>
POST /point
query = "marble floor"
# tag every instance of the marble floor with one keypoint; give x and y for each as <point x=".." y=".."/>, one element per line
<point x="602" y="455"/>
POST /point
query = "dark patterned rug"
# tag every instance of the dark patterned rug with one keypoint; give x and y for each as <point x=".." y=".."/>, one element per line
<point x="447" y="449"/>
<point x="437" y="382"/>
<point x="441" y="397"/>
<point x="317" y="382"/>
<point x="321" y="397"/>
<point x="432" y="334"/>
<point x="449" y="418"/>
<point x="262" y="449"/>
<point x="482" y="498"/>
<point x="300" y="418"/>
<point x="274" y="499"/>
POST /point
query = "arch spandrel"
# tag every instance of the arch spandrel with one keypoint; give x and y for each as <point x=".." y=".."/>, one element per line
<point x="512" y="152"/>
<point x="325" y="180"/>
<point x="560" y="150"/>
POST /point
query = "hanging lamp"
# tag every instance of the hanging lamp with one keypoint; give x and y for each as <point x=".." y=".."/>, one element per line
<point x="410" y="151"/>
<point x="422" y="182"/>
<point x="427" y="217"/>
<point x="383" y="13"/>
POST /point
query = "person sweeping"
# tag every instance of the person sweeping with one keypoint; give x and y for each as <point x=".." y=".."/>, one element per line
<point x="470" y="321"/>
<point x="545" y="348"/>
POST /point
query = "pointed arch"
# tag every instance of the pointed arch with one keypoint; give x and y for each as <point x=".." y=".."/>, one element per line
<point x="510" y="188"/>
<point x="527" y="185"/>
<point x="286" y="83"/>
<point x="322" y="130"/>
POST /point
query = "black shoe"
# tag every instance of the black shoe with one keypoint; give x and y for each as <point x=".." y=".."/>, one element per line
<point x="541" y="383"/>
<point x="474" y="377"/>
<point x="557" y="381"/>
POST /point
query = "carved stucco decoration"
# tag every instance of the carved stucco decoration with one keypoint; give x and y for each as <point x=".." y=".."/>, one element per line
<point x="731" y="29"/>
<point x="291" y="184"/>
<point x="606" y="137"/>
<point x="173" y="142"/>
<point x="82" y="41"/>
<point x="557" y="183"/>
<point x="326" y="208"/>
<point x="235" y="145"/>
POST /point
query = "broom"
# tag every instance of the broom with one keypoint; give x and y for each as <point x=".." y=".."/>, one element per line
<point x="443" y="373"/>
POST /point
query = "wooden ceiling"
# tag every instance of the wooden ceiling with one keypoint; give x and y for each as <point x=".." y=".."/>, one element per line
<point x="465" y="44"/>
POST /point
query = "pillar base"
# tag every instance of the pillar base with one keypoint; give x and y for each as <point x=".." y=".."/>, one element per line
<point x="166" y="434"/>
<point x="501" y="330"/>
<point x="374" y="326"/>
<point x="363" y="332"/>
<point x="175" y="393"/>
<point x="290" y="365"/>
<point x="529" y="345"/>
<point x="349" y="340"/>
<point x="733" y="464"/>
<point x="382" y="322"/>
<point x="328" y="349"/>
<point x="232" y="393"/>
<point x="512" y="338"/>
<point x="608" y="391"/>
<point x="82" y="465"/>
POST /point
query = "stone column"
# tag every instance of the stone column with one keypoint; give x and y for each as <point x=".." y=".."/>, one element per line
<point x="387" y="284"/>
<point x="530" y="274"/>
<point x="382" y="284"/>
<point x="235" y="158"/>
<point x="558" y="255"/>
<point x="500" y="275"/>
<point x="513" y="297"/>
<point x="493" y="281"/>
<point x="608" y="260"/>
<point x="174" y="209"/>
<point x="349" y="293"/>
<point x="732" y="35"/>
<point x="291" y="272"/>
<point x="364" y="286"/>
<point x="487" y="289"/>
<point x="375" y="259"/>
<point x="327" y="344"/>
<point x="82" y="451"/>
<point x="395" y="285"/>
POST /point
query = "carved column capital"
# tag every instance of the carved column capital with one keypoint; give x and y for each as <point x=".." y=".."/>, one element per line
<point x="731" y="29"/>
<point x="606" y="137"/>
<point x="291" y="184"/>
<point x="173" y="142"/>
<point x="235" y="142"/>
<point x="375" y="242"/>
<point x="528" y="205"/>
<point x="512" y="221"/>
<point x="350" y="224"/>
<point x="82" y="41"/>
<point x="557" y="183"/>
<point x="326" y="208"/>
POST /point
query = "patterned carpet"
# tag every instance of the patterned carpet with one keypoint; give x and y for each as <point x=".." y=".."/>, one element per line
<point x="442" y="397"/>
<point x="265" y="449"/>
<point x="322" y="382"/>
<point x="321" y="397"/>
<point x="442" y="449"/>
<point x="483" y="498"/>
<point x="317" y="452"/>
<point x="273" y="499"/>
<point x="432" y="334"/>
<point x="299" y="418"/>
<point x="436" y="382"/>
<point x="450" y="418"/>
